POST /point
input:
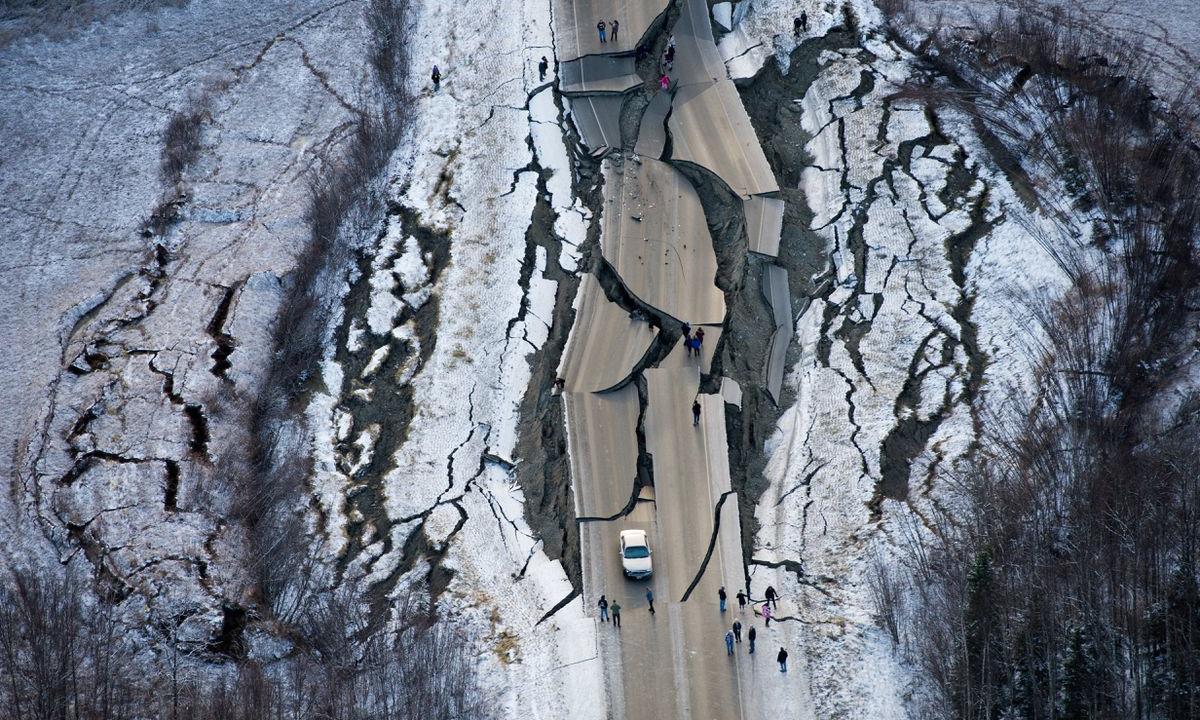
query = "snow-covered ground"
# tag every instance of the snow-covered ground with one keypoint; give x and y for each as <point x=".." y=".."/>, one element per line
<point x="122" y="344"/>
<point x="916" y="328"/>
<point x="115" y="391"/>
<point x="112" y="374"/>
<point x="469" y="178"/>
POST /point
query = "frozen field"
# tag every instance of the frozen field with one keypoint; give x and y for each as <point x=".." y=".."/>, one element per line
<point x="140" y="310"/>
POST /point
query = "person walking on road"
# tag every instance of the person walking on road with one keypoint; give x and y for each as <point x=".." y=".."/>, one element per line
<point x="603" y="608"/>
<point x="600" y="28"/>
<point x="695" y="422"/>
<point x="687" y="343"/>
<point x="650" y="599"/>
<point x="804" y="21"/>
<point x="741" y="596"/>
<point x="543" y="66"/>
<point x="766" y="611"/>
<point x="781" y="658"/>
<point x="664" y="83"/>
<point x="721" y="596"/>
<point x="737" y="630"/>
<point x="699" y="338"/>
<point x="436" y="76"/>
<point x="772" y="596"/>
<point x="750" y="636"/>
<point x="728" y="642"/>
<point x="615" y="27"/>
<point x="616" y="613"/>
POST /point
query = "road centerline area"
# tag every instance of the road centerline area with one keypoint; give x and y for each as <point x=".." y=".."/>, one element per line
<point x="654" y="235"/>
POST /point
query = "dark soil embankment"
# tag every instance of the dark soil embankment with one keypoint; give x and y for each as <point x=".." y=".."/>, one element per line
<point x="543" y="470"/>
<point x="749" y="323"/>
<point x="389" y="405"/>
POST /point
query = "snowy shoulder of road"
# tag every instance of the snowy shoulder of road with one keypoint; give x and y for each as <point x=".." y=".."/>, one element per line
<point x="468" y="177"/>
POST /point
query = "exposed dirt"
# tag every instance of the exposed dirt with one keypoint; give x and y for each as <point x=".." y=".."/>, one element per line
<point x="543" y="469"/>
<point x="389" y="405"/>
<point x="743" y="346"/>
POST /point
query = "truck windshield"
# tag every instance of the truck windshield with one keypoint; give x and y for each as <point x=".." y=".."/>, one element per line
<point x="637" y="551"/>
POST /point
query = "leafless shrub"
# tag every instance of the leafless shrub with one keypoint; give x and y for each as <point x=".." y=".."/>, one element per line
<point x="887" y="596"/>
<point x="60" y="18"/>
<point x="58" y="660"/>
<point x="181" y="141"/>
<point x="385" y="21"/>
<point x="343" y="204"/>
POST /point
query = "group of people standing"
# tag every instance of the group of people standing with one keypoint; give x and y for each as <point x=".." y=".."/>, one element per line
<point x="666" y="65"/>
<point x="693" y="343"/>
<point x="733" y="635"/>
<point x="608" y="33"/>
<point x="611" y="612"/>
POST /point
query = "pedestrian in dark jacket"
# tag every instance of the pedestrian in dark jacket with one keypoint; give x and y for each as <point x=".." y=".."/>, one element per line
<point x="721" y="596"/>
<point x="750" y="636"/>
<point x="772" y="596"/>
<point x="436" y="76"/>
<point x="650" y="599"/>
<point x="615" y="27"/>
<point x="600" y="28"/>
<point x="741" y="596"/>
<point x="804" y="21"/>
<point x="781" y="658"/>
<point x="543" y="66"/>
<point x="737" y="630"/>
<point x="695" y="422"/>
<point x="616" y="613"/>
<point x="766" y="611"/>
<point x="603" y="608"/>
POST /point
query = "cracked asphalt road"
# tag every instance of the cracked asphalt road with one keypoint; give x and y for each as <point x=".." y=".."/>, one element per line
<point x="637" y="460"/>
